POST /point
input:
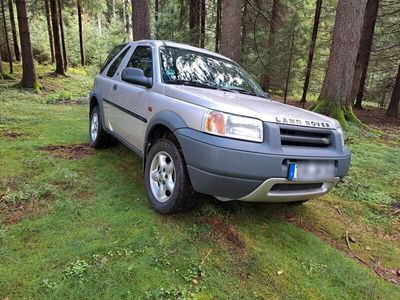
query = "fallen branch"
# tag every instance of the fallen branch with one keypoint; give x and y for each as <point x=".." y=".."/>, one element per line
<point x="205" y="258"/>
<point x="347" y="239"/>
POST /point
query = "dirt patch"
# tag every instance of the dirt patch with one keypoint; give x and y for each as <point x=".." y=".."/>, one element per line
<point x="14" y="214"/>
<point x="225" y="232"/>
<point x="70" y="152"/>
<point x="9" y="134"/>
<point x="376" y="117"/>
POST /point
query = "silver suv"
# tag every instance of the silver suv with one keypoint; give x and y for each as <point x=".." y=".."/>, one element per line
<point x="202" y="124"/>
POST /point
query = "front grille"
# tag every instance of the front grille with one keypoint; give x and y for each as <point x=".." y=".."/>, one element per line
<point x="296" y="187"/>
<point x="305" y="137"/>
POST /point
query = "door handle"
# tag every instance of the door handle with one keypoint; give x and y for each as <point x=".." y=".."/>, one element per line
<point x="115" y="86"/>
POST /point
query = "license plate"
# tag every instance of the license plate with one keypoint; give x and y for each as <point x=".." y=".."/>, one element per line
<point x="311" y="171"/>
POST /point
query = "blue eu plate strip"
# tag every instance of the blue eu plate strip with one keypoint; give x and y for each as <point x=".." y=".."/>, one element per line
<point x="292" y="171"/>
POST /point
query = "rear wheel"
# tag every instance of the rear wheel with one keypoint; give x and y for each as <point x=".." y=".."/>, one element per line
<point x="98" y="137"/>
<point x="167" y="182"/>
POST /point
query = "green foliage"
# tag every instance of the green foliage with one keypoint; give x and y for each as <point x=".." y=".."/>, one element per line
<point x="77" y="270"/>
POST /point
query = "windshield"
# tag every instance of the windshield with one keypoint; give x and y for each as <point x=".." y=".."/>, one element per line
<point x="186" y="67"/>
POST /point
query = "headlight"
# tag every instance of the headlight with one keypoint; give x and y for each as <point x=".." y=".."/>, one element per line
<point x="341" y="133"/>
<point x="233" y="126"/>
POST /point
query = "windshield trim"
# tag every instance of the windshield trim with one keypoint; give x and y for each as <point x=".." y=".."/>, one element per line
<point x="258" y="92"/>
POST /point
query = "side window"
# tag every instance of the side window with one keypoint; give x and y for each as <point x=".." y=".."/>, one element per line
<point x="142" y="59"/>
<point x="110" y="56"/>
<point x="114" y="66"/>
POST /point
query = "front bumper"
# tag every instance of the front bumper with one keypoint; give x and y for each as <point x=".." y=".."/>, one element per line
<point x="233" y="169"/>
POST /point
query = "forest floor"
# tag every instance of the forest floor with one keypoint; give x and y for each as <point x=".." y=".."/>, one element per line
<point x="75" y="222"/>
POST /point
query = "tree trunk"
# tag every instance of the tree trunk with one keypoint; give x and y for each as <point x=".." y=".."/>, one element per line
<point x="49" y="30"/>
<point x="266" y="77"/>
<point x="14" y="31"/>
<point x="289" y="68"/>
<point x="336" y="89"/>
<point x="128" y="19"/>
<point x="230" y="29"/>
<point x="56" y="34"/>
<point x="99" y="24"/>
<point x="312" y="49"/>
<point x="1" y="67"/>
<point x="29" y="79"/>
<point x="393" y="109"/>
<point x="141" y="19"/>
<point x="364" y="52"/>
<point x="218" y="26"/>
<point x="10" y="57"/>
<point x="64" y="47"/>
<point x="194" y="21"/>
<point x="244" y="29"/>
<point x="81" y="45"/>
<point x="203" y="24"/>
<point x="110" y="15"/>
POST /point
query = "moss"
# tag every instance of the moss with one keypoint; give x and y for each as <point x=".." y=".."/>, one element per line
<point x="351" y="117"/>
<point x="37" y="87"/>
<point x="343" y="114"/>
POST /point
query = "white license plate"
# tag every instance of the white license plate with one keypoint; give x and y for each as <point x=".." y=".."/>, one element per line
<point x="311" y="171"/>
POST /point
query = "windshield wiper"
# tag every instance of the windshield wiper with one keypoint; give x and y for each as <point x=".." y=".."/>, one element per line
<point x="192" y="83"/>
<point x="239" y="90"/>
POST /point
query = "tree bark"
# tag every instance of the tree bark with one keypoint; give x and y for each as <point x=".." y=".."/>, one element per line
<point x="336" y="89"/>
<point x="56" y="34"/>
<point x="64" y="47"/>
<point x="364" y="52"/>
<point x="49" y="29"/>
<point x="218" y="26"/>
<point x="203" y="24"/>
<point x="14" y="31"/>
<point x="393" y="109"/>
<point x="311" y="51"/>
<point x="194" y="21"/>
<point x="289" y="68"/>
<point x="10" y="57"/>
<point x="230" y="29"/>
<point x="266" y="77"/>
<point x="141" y="19"/>
<point x="81" y="44"/>
<point x="29" y="79"/>
<point x="244" y="29"/>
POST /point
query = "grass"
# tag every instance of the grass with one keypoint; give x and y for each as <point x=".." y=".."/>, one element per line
<point x="79" y="225"/>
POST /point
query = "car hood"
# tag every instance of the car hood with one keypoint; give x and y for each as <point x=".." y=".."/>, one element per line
<point x="263" y="109"/>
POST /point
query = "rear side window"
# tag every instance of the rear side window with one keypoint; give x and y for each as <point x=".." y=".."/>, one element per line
<point x="114" y="66"/>
<point x="143" y="60"/>
<point x="110" y="56"/>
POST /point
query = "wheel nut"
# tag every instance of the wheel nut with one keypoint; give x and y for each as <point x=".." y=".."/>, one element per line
<point x="166" y="176"/>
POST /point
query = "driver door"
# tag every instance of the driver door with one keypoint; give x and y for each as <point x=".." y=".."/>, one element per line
<point x="130" y="100"/>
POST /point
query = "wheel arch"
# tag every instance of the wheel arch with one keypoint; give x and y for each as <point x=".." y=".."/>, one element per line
<point x="163" y="124"/>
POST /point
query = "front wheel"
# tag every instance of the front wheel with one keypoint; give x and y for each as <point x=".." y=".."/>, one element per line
<point x="166" y="179"/>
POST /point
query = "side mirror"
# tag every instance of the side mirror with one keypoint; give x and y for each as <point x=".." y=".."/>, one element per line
<point x="136" y="76"/>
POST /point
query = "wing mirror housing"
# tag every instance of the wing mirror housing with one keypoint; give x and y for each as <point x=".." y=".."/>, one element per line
<point x="136" y="76"/>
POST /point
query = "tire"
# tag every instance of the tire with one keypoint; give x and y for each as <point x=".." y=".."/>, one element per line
<point x="167" y="181"/>
<point x="98" y="137"/>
